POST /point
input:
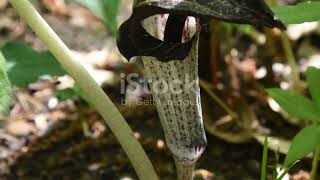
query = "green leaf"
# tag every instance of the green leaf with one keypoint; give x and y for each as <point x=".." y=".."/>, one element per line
<point x="72" y="92"/>
<point x="93" y="5"/>
<point x="313" y="79"/>
<point x="299" y="13"/>
<point x="110" y="11"/>
<point x="306" y="141"/>
<point x="65" y="94"/>
<point x="25" y="65"/>
<point x="106" y="10"/>
<point x="296" y="105"/>
<point x="5" y="87"/>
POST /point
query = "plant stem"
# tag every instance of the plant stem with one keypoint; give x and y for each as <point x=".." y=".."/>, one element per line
<point x="296" y="82"/>
<point x="99" y="99"/>
<point x="315" y="164"/>
<point x="206" y="86"/>
<point x="185" y="171"/>
<point x="264" y="159"/>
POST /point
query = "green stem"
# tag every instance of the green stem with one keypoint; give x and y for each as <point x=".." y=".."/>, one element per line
<point x="315" y="164"/>
<point x="185" y="171"/>
<point x="99" y="99"/>
<point x="296" y="82"/>
<point x="264" y="159"/>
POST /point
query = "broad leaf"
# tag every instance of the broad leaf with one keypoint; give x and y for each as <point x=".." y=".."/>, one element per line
<point x="5" y="87"/>
<point x="306" y="141"/>
<point x="104" y="9"/>
<point x="299" y="13"/>
<point x="110" y="11"/>
<point x="296" y="105"/>
<point x="25" y="65"/>
<point x="313" y="79"/>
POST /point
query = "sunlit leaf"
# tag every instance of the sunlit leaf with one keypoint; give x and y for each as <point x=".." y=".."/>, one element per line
<point x="296" y="105"/>
<point x="299" y="13"/>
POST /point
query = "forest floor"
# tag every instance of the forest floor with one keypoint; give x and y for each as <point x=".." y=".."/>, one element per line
<point x="44" y="137"/>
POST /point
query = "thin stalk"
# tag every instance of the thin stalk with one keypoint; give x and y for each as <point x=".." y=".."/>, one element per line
<point x="224" y="106"/>
<point x="185" y="171"/>
<point x="214" y="44"/>
<point x="296" y="82"/>
<point x="264" y="160"/>
<point x="99" y="99"/>
<point x="285" y="172"/>
<point x="315" y="164"/>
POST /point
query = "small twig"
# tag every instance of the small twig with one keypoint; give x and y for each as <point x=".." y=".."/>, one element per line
<point x="296" y="82"/>
<point x="99" y="99"/>
<point x="224" y="106"/>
